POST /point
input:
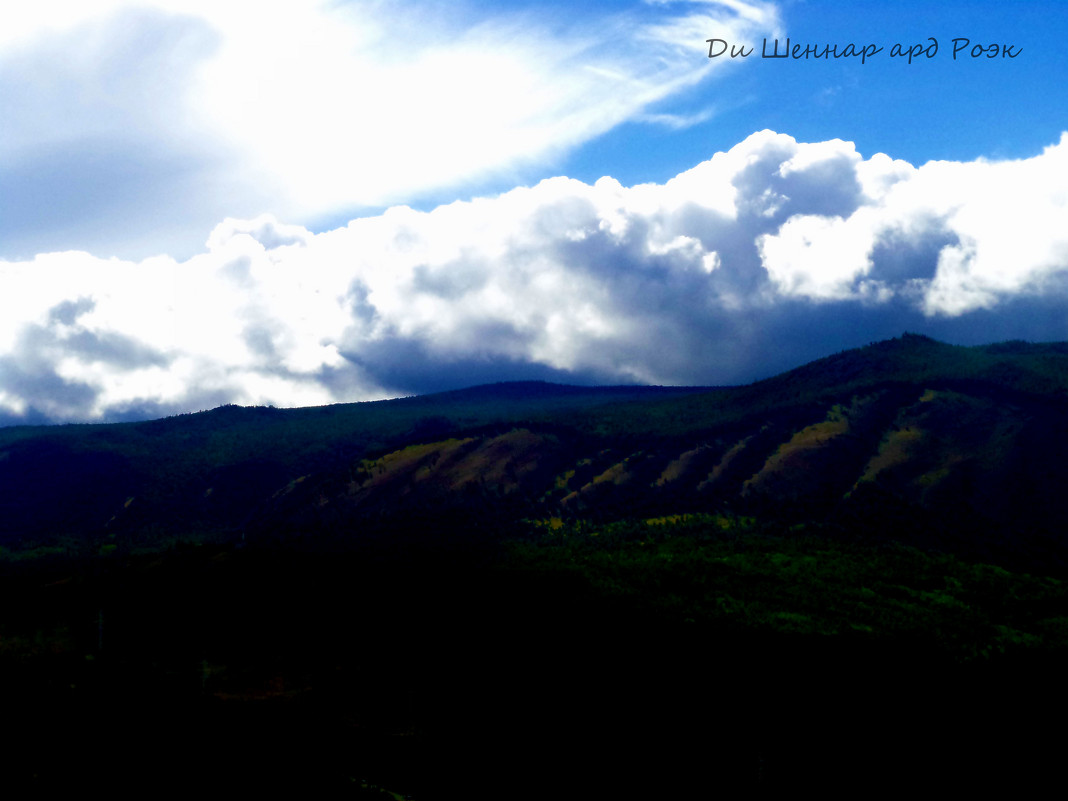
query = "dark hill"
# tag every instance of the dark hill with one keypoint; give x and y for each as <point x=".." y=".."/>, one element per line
<point x="846" y="576"/>
<point x="907" y="429"/>
<point x="160" y="480"/>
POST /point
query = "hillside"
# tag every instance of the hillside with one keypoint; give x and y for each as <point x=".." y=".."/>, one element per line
<point x="912" y="423"/>
<point x="559" y="591"/>
<point x="202" y="475"/>
<point x="893" y="439"/>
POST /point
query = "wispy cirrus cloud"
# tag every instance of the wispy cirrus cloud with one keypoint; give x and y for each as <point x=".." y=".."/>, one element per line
<point x="132" y="126"/>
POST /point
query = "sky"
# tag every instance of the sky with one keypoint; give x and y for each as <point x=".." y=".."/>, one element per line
<point x="306" y="202"/>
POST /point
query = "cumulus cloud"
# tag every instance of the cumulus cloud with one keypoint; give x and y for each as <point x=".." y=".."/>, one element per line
<point x="760" y="258"/>
<point x="132" y="126"/>
<point x="995" y="229"/>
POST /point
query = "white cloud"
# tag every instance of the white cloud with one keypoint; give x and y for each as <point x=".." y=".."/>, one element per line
<point x="150" y="118"/>
<point x="1007" y="219"/>
<point x="818" y="257"/>
<point x="752" y="261"/>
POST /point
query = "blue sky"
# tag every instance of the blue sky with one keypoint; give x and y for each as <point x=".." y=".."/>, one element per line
<point x="225" y="201"/>
<point x="937" y="108"/>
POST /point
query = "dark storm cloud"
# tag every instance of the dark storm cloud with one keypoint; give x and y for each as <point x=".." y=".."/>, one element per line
<point x="414" y="366"/>
<point x="900" y="256"/>
<point x="43" y="393"/>
<point x="30" y="370"/>
<point x="65" y="335"/>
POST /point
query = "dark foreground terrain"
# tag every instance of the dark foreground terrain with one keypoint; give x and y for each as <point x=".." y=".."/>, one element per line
<point x="845" y="578"/>
<point x="269" y="669"/>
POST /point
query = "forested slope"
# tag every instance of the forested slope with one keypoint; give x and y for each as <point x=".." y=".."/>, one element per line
<point x="848" y="576"/>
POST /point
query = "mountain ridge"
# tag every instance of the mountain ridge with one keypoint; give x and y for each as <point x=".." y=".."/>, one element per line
<point x="925" y="427"/>
<point x="812" y="578"/>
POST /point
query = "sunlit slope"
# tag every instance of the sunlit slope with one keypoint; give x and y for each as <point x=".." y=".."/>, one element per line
<point x="963" y="454"/>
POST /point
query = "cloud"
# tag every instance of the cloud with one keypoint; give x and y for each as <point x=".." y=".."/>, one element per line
<point x="991" y="227"/>
<point x="132" y="126"/>
<point x="765" y="256"/>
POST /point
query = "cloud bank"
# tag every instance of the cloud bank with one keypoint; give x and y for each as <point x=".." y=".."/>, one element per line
<point x="762" y="257"/>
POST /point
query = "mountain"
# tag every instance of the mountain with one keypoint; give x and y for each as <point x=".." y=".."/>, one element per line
<point x="905" y="430"/>
<point x="201" y="475"/>
<point x="534" y="589"/>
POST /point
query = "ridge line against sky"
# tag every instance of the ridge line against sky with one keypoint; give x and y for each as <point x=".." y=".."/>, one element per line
<point x="383" y="186"/>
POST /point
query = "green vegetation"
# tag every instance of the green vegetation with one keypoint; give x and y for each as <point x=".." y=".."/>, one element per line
<point x="806" y="581"/>
<point x="738" y="575"/>
<point x="440" y="663"/>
